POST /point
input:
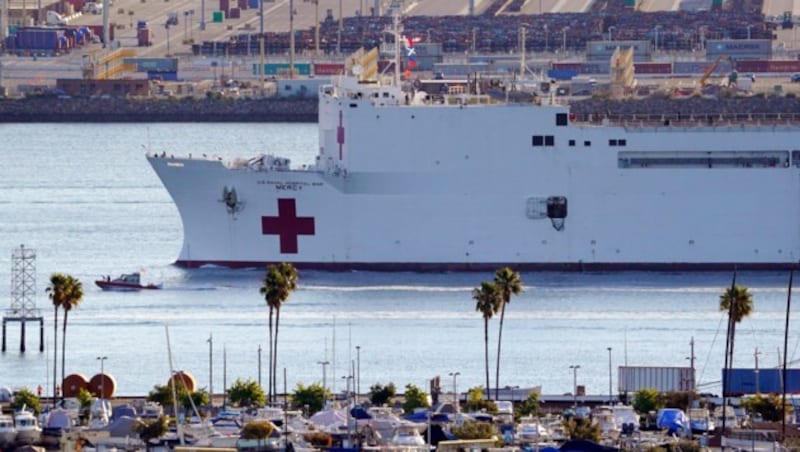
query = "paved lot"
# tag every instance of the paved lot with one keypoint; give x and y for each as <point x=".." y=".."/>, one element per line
<point x="777" y="7"/>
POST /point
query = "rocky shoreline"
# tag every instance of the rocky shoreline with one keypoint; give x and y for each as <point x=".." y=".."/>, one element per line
<point x="49" y="109"/>
<point x="32" y="110"/>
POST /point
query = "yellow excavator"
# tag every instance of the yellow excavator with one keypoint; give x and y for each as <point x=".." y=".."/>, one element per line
<point x="731" y="78"/>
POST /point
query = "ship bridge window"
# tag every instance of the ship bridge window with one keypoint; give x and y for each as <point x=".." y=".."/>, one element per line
<point x="796" y="159"/>
<point x="587" y="143"/>
<point x="561" y="119"/>
<point x="572" y="142"/>
<point x="543" y="140"/>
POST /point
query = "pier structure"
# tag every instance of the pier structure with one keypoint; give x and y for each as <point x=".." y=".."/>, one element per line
<point x="23" y="291"/>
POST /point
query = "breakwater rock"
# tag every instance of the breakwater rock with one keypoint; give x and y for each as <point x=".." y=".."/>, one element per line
<point x="50" y="109"/>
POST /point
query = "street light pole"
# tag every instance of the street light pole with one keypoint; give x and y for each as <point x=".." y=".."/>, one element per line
<point x="316" y="25"/>
<point x="758" y="388"/>
<point x="259" y="365"/>
<point x="291" y="39"/>
<point x="358" y="372"/>
<point x="455" y="389"/>
<point x="511" y="389"/>
<point x="575" y="384"/>
<point x="545" y="38"/>
<point x="610" y="396"/>
<point x="167" y="27"/>
<point x="657" y="27"/>
<point x="102" y="360"/>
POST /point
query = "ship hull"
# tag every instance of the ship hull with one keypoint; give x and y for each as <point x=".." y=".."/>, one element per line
<point x="448" y="188"/>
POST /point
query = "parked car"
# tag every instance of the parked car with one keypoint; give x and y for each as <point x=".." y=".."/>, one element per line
<point x="795" y="78"/>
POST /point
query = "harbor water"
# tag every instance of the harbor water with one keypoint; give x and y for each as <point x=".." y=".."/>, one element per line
<point x="85" y="199"/>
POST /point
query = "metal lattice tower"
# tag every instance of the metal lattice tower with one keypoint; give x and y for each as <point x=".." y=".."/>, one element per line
<point x="23" y="292"/>
<point x="23" y="282"/>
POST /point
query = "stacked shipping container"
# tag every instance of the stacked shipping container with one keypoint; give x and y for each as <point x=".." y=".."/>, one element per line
<point x="48" y="40"/>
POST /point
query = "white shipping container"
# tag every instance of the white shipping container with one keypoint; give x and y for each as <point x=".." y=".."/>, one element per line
<point x="663" y="379"/>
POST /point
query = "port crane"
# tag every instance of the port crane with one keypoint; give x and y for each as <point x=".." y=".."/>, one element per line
<point x="731" y="79"/>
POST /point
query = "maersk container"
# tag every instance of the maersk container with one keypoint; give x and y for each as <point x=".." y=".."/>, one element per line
<point x="662" y="379"/>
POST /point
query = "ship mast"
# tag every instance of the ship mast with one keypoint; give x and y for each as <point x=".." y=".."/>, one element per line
<point x="397" y="31"/>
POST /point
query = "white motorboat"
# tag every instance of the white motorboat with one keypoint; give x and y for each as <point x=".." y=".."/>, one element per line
<point x="100" y="414"/>
<point x="28" y="429"/>
<point x="407" y="436"/>
<point x="626" y="418"/>
<point x="700" y="420"/>
<point x="8" y="433"/>
<point x="604" y="417"/>
<point x="532" y="431"/>
<point x="385" y="424"/>
<point x="731" y="421"/>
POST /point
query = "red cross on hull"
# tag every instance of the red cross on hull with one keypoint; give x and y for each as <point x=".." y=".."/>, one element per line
<point x="287" y="225"/>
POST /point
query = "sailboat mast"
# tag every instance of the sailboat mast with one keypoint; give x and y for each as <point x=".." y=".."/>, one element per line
<point x="172" y="383"/>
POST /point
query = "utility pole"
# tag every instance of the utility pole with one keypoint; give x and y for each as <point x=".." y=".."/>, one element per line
<point x="341" y="25"/>
<point x="210" y="341"/>
<point x="291" y="39"/>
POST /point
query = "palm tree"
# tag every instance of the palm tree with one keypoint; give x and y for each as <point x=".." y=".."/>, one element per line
<point x="55" y="292"/>
<point x="488" y="300"/>
<point x="742" y="307"/>
<point x="73" y="295"/>
<point x="278" y="284"/>
<point x="508" y="283"/>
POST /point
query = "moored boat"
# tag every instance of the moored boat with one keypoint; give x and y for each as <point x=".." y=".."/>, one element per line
<point x="28" y="429"/>
<point x="8" y="433"/>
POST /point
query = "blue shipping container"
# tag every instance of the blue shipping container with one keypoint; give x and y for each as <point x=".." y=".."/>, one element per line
<point x="164" y="76"/>
<point x="743" y="381"/>
<point x="252" y="4"/>
<point x="561" y="74"/>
